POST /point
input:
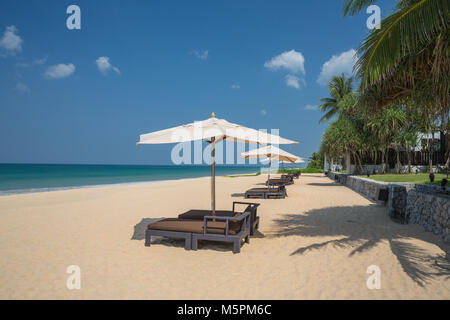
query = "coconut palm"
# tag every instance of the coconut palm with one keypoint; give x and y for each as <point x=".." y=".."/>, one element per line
<point x="339" y="87"/>
<point x="409" y="55"/>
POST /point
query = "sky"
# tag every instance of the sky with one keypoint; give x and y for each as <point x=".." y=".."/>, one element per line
<point x="85" y="95"/>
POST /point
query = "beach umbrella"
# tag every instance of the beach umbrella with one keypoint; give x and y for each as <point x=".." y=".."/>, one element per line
<point x="212" y="130"/>
<point x="299" y="160"/>
<point x="271" y="153"/>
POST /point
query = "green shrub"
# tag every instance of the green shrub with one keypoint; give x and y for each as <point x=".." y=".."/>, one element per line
<point x="304" y="170"/>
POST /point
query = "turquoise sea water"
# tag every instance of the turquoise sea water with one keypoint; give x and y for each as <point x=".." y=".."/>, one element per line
<point x="25" y="178"/>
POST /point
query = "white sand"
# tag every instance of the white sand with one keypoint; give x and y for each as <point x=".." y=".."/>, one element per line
<point x="316" y="244"/>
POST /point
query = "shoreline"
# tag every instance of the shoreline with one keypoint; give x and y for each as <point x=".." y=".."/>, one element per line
<point x="15" y="192"/>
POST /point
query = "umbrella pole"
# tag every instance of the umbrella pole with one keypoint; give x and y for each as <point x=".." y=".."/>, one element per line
<point x="213" y="176"/>
<point x="268" y="179"/>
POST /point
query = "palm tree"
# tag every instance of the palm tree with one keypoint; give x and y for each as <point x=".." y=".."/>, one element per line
<point x="339" y="87"/>
<point x="409" y="55"/>
<point x="408" y="59"/>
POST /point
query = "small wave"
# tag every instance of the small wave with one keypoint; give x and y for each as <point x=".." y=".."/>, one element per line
<point x="39" y="190"/>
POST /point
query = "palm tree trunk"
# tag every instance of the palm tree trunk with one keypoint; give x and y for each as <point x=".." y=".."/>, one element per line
<point x="386" y="154"/>
<point x="430" y="150"/>
<point x="408" y="154"/>
<point x="397" y="155"/>
<point x="382" y="161"/>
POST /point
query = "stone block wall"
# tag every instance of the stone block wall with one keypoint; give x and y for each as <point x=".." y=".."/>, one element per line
<point x="366" y="187"/>
<point x="407" y="202"/>
<point x="432" y="211"/>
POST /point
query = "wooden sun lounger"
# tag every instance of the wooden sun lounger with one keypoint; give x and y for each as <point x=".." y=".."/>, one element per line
<point x="295" y="174"/>
<point x="266" y="193"/>
<point x="284" y="180"/>
<point x="214" y="228"/>
<point x="251" y="207"/>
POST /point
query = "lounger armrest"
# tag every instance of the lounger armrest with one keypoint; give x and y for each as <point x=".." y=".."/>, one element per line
<point x="243" y="216"/>
<point x="253" y="204"/>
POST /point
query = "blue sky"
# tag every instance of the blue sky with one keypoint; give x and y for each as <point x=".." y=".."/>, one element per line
<point x="84" y="96"/>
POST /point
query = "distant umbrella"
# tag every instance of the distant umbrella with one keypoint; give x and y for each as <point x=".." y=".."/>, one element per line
<point x="271" y="153"/>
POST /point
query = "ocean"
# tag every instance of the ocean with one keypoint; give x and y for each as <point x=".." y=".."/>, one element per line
<point x="28" y="178"/>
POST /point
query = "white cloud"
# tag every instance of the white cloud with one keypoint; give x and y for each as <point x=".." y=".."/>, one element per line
<point x="235" y="86"/>
<point x="104" y="66"/>
<point x="11" y="41"/>
<point x="59" y="71"/>
<point x="201" y="54"/>
<point x="21" y="87"/>
<point x="263" y="112"/>
<point x="292" y="61"/>
<point x="293" y="81"/>
<point x="40" y="61"/>
<point x="311" y="107"/>
<point x="342" y="63"/>
<point x="33" y="63"/>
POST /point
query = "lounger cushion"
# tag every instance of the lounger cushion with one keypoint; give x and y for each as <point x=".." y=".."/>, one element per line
<point x="199" y="214"/>
<point x="263" y="190"/>
<point x="193" y="226"/>
<point x="235" y="226"/>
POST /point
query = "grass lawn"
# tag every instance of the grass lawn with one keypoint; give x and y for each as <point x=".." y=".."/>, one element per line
<point x="303" y="170"/>
<point x="415" y="178"/>
<point x="244" y="175"/>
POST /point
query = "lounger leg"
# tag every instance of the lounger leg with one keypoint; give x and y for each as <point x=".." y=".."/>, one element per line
<point x="194" y="243"/>
<point x="237" y="246"/>
<point x="247" y="239"/>
<point x="148" y="238"/>
<point x="188" y="243"/>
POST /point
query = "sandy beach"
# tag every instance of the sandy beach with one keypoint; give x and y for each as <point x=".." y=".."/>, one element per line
<point x="315" y="244"/>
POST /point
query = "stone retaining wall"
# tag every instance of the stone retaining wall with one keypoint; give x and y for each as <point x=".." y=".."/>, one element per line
<point x="367" y="187"/>
<point x="407" y="202"/>
<point x="432" y="211"/>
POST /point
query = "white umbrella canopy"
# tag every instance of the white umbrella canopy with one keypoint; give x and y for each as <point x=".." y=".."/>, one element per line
<point x="212" y="130"/>
<point x="271" y="153"/>
<point x="299" y="160"/>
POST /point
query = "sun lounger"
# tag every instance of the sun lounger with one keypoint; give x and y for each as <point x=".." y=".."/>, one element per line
<point x="251" y="207"/>
<point x="214" y="228"/>
<point x="296" y="174"/>
<point x="266" y="193"/>
<point x="283" y="180"/>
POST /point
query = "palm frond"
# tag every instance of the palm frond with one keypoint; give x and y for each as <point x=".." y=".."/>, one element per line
<point x="407" y="31"/>
<point x="351" y="7"/>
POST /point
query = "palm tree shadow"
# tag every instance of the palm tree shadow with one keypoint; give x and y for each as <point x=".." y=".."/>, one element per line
<point x="368" y="228"/>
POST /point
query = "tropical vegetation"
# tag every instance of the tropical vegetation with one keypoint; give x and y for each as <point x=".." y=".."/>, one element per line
<point x="403" y="73"/>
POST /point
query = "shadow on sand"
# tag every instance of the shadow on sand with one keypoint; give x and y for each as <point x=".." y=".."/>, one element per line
<point x="366" y="230"/>
<point x="139" y="234"/>
<point x="238" y="195"/>
<point x="328" y="184"/>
